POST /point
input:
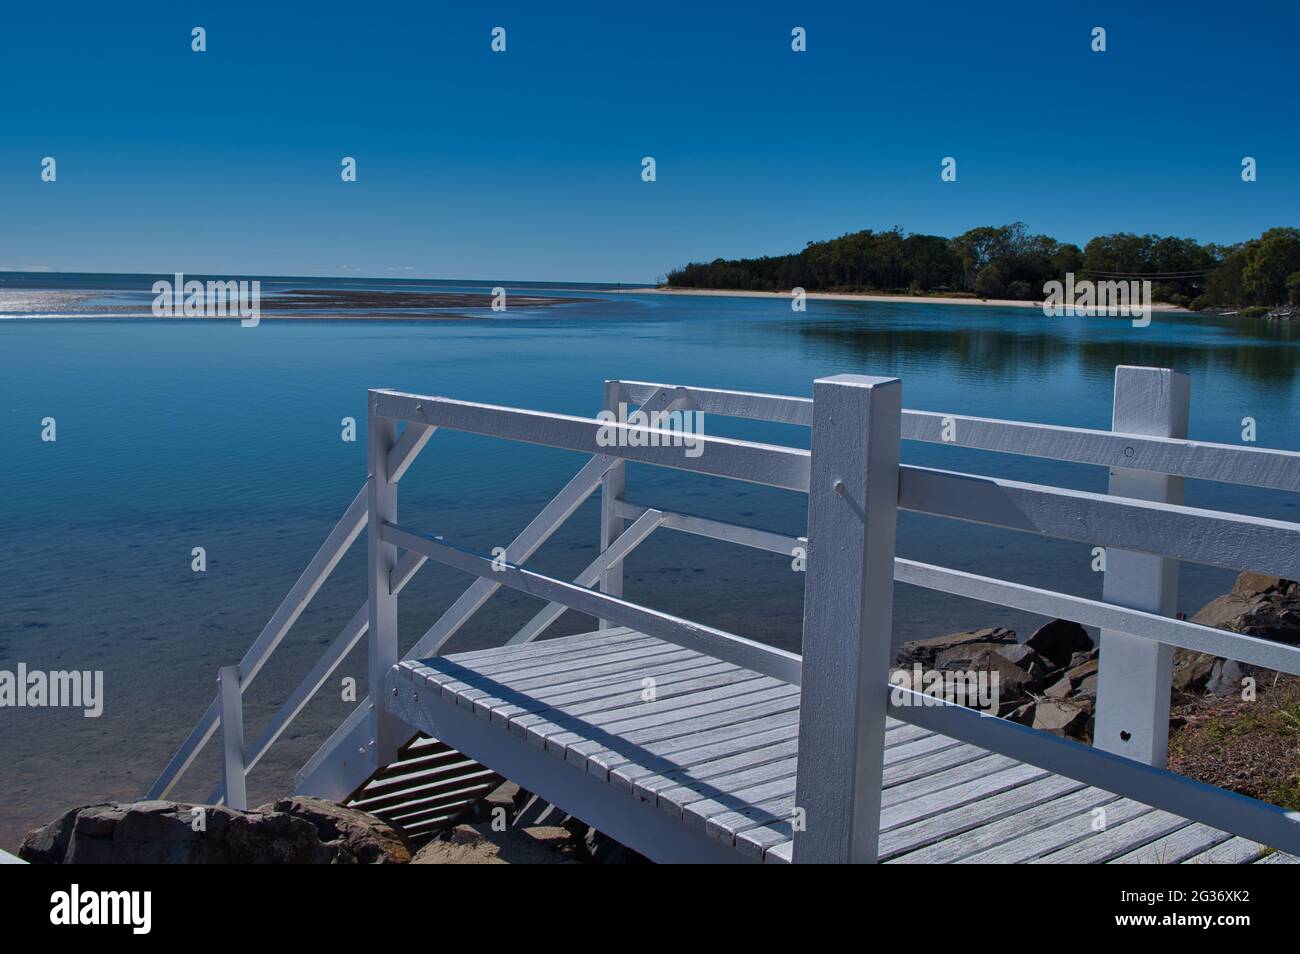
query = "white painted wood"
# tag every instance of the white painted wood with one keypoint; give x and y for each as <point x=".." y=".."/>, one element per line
<point x="382" y="653"/>
<point x="720" y="530"/>
<point x="1133" y="679"/>
<point x="324" y="667"/>
<point x="232" y="738"/>
<point x="1156" y="787"/>
<point x="944" y="837"/>
<point x="407" y="448"/>
<point x="1116" y="840"/>
<point x="612" y="488"/>
<point x="1226" y="463"/>
<point x="342" y="762"/>
<point x="1205" y="639"/>
<point x="519" y="550"/>
<point x="612" y="555"/>
<point x="1071" y="829"/>
<point x="1212" y="537"/>
<point x="540" y="529"/>
<point x="1235" y="851"/>
<point x="1176" y="848"/>
<point x="625" y="819"/>
<point x="722" y="645"/>
<point x="848" y="602"/>
<point x="766" y="464"/>
<point x="327" y="557"/>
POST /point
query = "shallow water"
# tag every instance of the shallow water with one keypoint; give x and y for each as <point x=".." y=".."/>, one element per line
<point x="179" y="434"/>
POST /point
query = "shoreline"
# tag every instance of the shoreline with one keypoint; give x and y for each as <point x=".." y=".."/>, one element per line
<point x="869" y="297"/>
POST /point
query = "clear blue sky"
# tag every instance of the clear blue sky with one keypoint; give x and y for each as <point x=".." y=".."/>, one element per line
<point x="526" y="165"/>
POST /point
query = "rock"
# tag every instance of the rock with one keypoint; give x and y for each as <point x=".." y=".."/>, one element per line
<point x="924" y="651"/>
<point x="355" y="837"/>
<point x="1026" y="659"/>
<point x="1258" y="584"/>
<point x="1060" y="689"/>
<point x="963" y="657"/>
<point x="1087" y="688"/>
<point x="483" y="845"/>
<point x="1259" y="605"/>
<point x="1023" y="714"/>
<point x="1078" y="659"/>
<point x="1059" y="640"/>
<point x="159" y="832"/>
<point x="1192" y="672"/>
<point x="1225" y="678"/>
<point x="1059" y="718"/>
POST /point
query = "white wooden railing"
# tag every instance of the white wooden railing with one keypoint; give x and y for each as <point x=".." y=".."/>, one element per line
<point x="855" y="485"/>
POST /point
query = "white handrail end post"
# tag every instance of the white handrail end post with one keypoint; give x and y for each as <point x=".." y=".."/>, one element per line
<point x="848" y="617"/>
<point x="381" y="559"/>
<point x="1134" y="673"/>
<point x="232" y="738"/>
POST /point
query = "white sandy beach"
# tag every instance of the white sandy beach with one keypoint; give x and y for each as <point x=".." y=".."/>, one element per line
<point x="848" y="296"/>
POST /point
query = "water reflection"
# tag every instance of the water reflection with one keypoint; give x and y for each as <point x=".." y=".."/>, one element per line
<point x="1263" y="351"/>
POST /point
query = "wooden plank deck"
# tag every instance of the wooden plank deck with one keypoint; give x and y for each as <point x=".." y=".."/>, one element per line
<point x="713" y="748"/>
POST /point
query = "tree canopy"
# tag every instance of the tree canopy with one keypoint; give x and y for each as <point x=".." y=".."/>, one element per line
<point x="1008" y="262"/>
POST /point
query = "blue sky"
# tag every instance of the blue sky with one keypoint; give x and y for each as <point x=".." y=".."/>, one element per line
<point x="526" y="164"/>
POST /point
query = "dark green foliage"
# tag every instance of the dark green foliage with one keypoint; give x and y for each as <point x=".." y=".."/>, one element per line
<point x="1008" y="262"/>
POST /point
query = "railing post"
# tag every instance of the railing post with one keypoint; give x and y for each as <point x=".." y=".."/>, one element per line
<point x="381" y="559"/>
<point x="232" y="738"/>
<point x="612" y="487"/>
<point x="1133" y="680"/>
<point x="848" y="617"/>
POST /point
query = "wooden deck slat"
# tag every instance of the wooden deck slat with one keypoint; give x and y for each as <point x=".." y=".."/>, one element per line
<point x="717" y="771"/>
<point x="992" y="778"/>
<point x="628" y="695"/>
<point x="551" y="697"/>
<point x="1067" y="831"/>
<point x="944" y="762"/>
<point x="717" y="749"/>
<point x="1175" y="848"/>
<point x="647" y="715"/>
<point x="1116" y="840"/>
<point x="661" y="756"/>
<point x="630" y="744"/>
<point x="1235" y="851"/>
<point x="719" y="788"/>
<point x="469" y="688"/>
<point x="1278" y="858"/>
<point x="944" y="837"/>
<point x="973" y="762"/>
<point x="482" y="658"/>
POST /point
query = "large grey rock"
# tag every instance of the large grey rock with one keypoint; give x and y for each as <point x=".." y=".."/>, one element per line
<point x="1060" y="718"/>
<point x="354" y="837"/>
<point x="924" y="651"/>
<point x="160" y="832"/>
<point x="1059" y="640"/>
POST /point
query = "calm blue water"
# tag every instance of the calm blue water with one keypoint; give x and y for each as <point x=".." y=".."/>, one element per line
<point x="179" y="434"/>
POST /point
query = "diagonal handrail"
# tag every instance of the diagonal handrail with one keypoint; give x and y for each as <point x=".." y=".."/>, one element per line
<point x="327" y="557"/>
<point x="318" y="570"/>
<point x="540" y="529"/>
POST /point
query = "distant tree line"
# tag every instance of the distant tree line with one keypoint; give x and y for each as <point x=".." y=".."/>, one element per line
<point x="1008" y="262"/>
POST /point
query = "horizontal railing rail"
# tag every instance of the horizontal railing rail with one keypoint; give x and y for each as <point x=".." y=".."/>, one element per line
<point x="1196" y="801"/>
<point x="728" y="647"/>
<point x="1202" y="460"/>
<point x="769" y="464"/>
<point x="1266" y="653"/>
